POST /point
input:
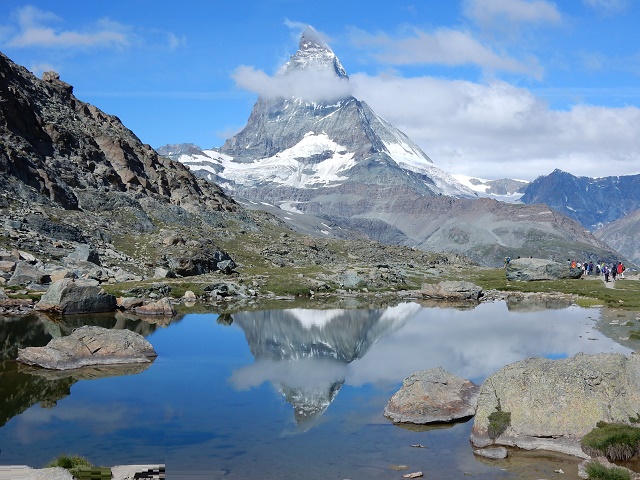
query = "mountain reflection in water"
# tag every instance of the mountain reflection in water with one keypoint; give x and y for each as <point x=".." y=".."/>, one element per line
<point x="207" y="409"/>
<point x="305" y="353"/>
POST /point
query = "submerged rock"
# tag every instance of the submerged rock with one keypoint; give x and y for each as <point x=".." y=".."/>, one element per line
<point x="433" y="395"/>
<point x="88" y="346"/>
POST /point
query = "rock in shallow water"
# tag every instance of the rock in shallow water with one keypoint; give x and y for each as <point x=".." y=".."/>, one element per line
<point x="90" y="345"/>
<point x="433" y="395"/>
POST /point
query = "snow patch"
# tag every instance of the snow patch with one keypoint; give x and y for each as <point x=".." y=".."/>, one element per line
<point x="295" y="166"/>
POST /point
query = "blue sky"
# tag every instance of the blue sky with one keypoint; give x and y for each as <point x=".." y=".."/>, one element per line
<point x="488" y="88"/>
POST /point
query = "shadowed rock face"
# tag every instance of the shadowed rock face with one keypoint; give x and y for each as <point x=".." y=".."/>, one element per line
<point x="68" y="296"/>
<point x="624" y="235"/>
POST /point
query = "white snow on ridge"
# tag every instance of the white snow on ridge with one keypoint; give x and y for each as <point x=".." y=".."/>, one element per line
<point x="481" y="188"/>
<point x="407" y="157"/>
<point x="286" y="167"/>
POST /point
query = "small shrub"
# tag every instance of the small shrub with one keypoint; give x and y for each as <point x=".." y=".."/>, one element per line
<point x="69" y="461"/>
<point x="597" y="471"/>
<point x="616" y="441"/>
<point x="498" y="423"/>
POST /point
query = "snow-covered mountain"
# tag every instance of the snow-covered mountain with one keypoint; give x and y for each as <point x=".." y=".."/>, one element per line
<point x="504" y="189"/>
<point x="327" y="164"/>
<point x="314" y="138"/>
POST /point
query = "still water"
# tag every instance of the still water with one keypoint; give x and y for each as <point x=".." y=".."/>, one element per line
<point x="282" y="394"/>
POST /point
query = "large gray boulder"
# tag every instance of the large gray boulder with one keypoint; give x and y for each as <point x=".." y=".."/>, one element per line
<point x="529" y="269"/>
<point x="430" y="396"/>
<point x="69" y="296"/>
<point x="25" y="274"/>
<point x="186" y="261"/>
<point x="545" y="404"/>
<point x="84" y="253"/>
<point x="88" y="346"/>
<point x="451" y="290"/>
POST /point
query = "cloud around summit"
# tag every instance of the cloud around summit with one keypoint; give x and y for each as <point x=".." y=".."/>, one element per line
<point x="308" y="85"/>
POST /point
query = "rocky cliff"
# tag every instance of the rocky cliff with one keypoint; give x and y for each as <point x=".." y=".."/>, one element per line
<point x="65" y="149"/>
<point x="73" y="175"/>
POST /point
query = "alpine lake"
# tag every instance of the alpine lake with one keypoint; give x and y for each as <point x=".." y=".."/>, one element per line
<point x="285" y="393"/>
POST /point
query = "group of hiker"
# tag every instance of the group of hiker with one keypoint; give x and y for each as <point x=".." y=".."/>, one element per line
<point x="615" y="270"/>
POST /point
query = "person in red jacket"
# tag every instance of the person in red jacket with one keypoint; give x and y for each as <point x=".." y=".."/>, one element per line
<point x="621" y="269"/>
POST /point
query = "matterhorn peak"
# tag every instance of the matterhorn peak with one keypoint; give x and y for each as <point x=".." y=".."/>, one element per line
<point x="311" y="38"/>
<point x="314" y="54"/>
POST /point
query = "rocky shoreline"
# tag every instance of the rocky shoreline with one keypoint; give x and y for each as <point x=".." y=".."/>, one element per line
<point x="118" y="472"/>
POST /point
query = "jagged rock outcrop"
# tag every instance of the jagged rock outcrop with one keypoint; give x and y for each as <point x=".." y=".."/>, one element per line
<point x="88" y="346"/>
<point x="431" y="396"/>
<point x="546" y="404"/>
<point x="59" y="146"/>
<point x="74" y="182"/>
<point x="531" y="269"/>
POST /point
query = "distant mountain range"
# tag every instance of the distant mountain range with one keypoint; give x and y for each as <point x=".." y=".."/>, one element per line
<point x="593" y="202"/>
<point x="336" y="168"/>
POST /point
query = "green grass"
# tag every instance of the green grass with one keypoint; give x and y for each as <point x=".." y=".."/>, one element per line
<point x="616" y="441"/>
<point x="591" y="291"/>
<point x="597" y="471"/>
<point x="70" y="462"/>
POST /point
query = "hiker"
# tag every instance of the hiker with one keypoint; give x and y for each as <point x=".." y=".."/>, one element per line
<point x="605" y="272"/>
<point x="621" y="269"/>
<point x="614" y="271"/>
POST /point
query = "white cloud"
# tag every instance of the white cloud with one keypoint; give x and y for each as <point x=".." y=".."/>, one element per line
<point x="608" y="6"/>
<point x="492" y="12"/>
<point x="496" y="130"/>
<point x="444" y="46"/>
<point x="34" y="31"/>
<point x="175" y="42"/>
<point x="310" y="85"/>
